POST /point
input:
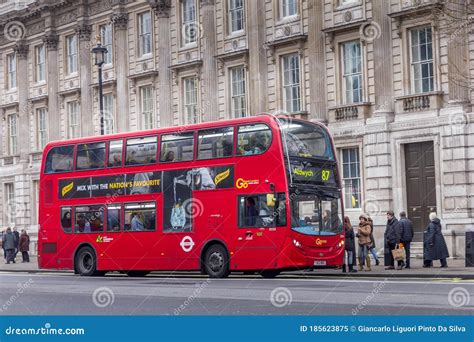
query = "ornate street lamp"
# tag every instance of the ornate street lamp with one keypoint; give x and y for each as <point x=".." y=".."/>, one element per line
<point x="99" y="54"/>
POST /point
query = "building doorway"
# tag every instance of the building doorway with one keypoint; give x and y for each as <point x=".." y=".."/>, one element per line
<point x="420" y="185"/>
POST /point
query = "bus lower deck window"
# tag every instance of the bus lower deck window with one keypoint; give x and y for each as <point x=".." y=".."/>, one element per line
<point x="140" y="217"/>
<point x="89" y="219"/>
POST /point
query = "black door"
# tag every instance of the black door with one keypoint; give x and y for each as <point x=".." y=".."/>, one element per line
<point x="420" y="185"/>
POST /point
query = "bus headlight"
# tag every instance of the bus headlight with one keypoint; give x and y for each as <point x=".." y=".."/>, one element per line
<point x="341" y="244"/>
<point x="297" y="243"/>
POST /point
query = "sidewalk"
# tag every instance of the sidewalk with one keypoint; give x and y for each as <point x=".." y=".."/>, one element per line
<point x="456" y="269"/>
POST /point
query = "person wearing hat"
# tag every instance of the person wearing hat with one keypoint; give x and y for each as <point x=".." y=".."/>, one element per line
<point x="434" y="244"/>
<point x="363" y="234"/>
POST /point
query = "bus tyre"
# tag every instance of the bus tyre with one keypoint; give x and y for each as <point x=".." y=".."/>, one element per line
<point x="269" y="273"/>
<point x="86" y="262"/>
<point x="216" y="262"/>
<point x="137" y="273"/>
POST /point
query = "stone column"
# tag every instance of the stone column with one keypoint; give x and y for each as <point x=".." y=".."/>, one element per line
<point x="258" y="70"/>
<point x="51" y="43"/>
<point x="162" y="11"/>
<point x="120" y="22"/>
<point x="378" y="32"/>
<point x="21" y="51"/>
<point x="83" y="32"/>
<point x="209" y="107"/>
<point x="317" y="66"/>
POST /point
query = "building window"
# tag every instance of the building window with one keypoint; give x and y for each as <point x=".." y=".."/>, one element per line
<point x="40" y="63"/>
<point x="9" y="204"/>
<point x="189" y="28"/>
<point x="146" y="106"/>
<point x="421" y="60"/>
<point x="109" y="114"/>
<point x="351" y="177"/>
<point x="237" y="92"/>
<point x="42" y="128"/>
<point x="288" y="8"/>
<point x="236" y="15"/>
<point x="144" y="34"/>
<point x="71" y="50"/>
<point x="74" y="127"/>
<point x="106" y="41"/>
<point x="352" y="72"/>
<point x="11" y="71"/>
<point x="291" y="83"/>
<point x="12" y="134"/>
<point x="190" y="100"/>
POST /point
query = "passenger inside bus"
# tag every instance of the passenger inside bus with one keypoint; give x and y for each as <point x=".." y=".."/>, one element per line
<point x="66" y="221"/>
<point x="137" y="222"/>
<point x="169" y="156"/>
<point x="82" y="224"/>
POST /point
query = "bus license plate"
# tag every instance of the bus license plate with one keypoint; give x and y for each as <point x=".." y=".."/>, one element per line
<point x="320" y="263"/>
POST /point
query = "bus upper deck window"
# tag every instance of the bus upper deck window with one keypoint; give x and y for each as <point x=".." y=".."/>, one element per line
<point x="115" y="153"/>
<point x="141" y="151"/>
<point x="177" y="147"/>
<point x="215" y="143"/>
<point x="253" y="139"/>
<point x="90" y="156"/>
<point x="59" y="159"/>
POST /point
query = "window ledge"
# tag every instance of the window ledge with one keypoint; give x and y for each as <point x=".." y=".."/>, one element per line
<point x="419" y="102"/>
<point x="10" y="159"/>
<point x="347" y="112"/>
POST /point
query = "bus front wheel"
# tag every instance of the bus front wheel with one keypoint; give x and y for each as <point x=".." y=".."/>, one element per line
<point x="86" y="262"/>
<point x="216" y="262"/>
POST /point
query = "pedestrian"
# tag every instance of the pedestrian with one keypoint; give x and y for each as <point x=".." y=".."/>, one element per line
<point x="392" y="235"/>
<point x="17" y="240"/>
<point x="8" y="242"/>
<point x="24" y="245"/>
<point x="3" y="232"/>
<point x="406" y="236"/>
<point x="434" y="245"/>
<point x="349" y="246"/>
<point x="372" y="248"/>
<point x="363" y="234"/>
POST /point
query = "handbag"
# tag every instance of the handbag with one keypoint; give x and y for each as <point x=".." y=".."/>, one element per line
<point x="398" y="253"/>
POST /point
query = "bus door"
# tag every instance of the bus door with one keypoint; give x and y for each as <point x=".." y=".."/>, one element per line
<point x="258" y="237"/>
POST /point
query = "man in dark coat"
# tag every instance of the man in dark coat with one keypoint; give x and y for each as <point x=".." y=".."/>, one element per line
<point x="434" y="246"/>
<point x="17" y="240"/>
<point x="406" y="236"/>
<point x="392" y="236"/>
<point x="8" y="243"/>
<point x="349" y="246"/>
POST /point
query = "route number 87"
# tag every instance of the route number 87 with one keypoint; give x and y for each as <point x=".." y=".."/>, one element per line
<point x="325" y="175"/>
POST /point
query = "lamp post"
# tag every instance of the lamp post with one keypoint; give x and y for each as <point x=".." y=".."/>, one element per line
<point x="99" y="53"/>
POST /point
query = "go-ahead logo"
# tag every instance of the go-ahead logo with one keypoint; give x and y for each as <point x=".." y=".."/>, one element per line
<point x="241" y="183"/>
<point x="187" y="244"/>
<point x="320" y="242"/>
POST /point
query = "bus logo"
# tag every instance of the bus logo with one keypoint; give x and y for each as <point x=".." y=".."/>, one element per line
<point x="320" y="242"/>
<point x="67" y="188"/>
<point x="244" y="183"/>
<point x="221" y="176"/>
<point x="187" y="244"/>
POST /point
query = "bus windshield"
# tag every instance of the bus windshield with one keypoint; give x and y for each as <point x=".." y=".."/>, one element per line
<point x="316" y="215"/>
<point x="305" y="140"/>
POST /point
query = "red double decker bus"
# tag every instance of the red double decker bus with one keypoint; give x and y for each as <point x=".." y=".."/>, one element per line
<point x="258" y="194"/>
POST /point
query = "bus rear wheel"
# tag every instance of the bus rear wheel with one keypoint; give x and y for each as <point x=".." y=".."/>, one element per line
<point x="86" y="262"/>
<point x="269" y="273"/>
<point x="216" y="262"/>
<point x="137" y="273"/>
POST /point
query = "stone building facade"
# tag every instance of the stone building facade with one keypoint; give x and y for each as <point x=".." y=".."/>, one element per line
<point x="391" y="78"/>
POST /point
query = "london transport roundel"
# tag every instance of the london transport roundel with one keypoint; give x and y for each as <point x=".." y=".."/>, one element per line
<point x="187" y="244"/>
